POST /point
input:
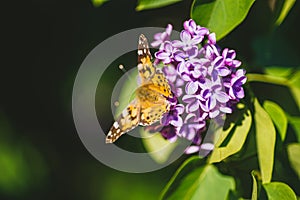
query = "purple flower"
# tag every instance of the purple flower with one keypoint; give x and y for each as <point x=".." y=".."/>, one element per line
<point x="214" y="97"/>
<point x="166" y="54"/>
<point x="189" y="64"/>
<point x="170" y="73"/>
<point x="192" y="101"/>
<point x="169" y="133"/>
<point x="174" y="79"/>
<point x="192" y="149"/>
<point x="204" y="80"/>
<point x="160" y="38"/>
<point x="205" y="148"/>
<point x="184" y="56"/>
<point x="235" y="83"/>
<point x="210" y="52"/>
<point x="222" y="61"/>
<point x="186" y="42"/>
<point x="218" y="69"/>
<point x="190" y="26"/>
<point x="173" y="116"/>
<point x="229" y="56"/>
<point x="191" y="127"/>
<point x="195" y="30"/>
<point x="192" y="87"/>
<point x="212" y="38"/>
<point x="193" y="72"/>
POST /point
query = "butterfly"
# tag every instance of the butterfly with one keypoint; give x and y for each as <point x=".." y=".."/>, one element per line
<point x="151" y="97"/>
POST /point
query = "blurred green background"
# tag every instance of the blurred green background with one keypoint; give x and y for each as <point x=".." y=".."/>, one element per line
<point x="44" y="44"/>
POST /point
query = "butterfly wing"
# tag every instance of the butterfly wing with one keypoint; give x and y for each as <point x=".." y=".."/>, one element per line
<point x="128" y="120"/>
<point x="151" y="102"/>
<point x="154" y="89"/>
<point x="160" y="84"/>
<point x="154" y="112"/>
<point x="145" y="67"/>
<point x="148" y="73"/>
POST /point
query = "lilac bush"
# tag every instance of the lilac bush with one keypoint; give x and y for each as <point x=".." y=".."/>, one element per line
<point x="205" y="80"/>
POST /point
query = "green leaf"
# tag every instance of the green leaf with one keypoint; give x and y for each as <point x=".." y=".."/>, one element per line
<point x="295" y="122"/>
<point x="278" y="116"/>
<point x="265" y="139"/>
<point x="220" y="16"/>
<point x="202" y="184"/>
<point x="190" y="164"/>
<point x="287" y="5"/>
<point x="294" y="155"/>
<point x="254" y="187"/>
<point x="295" y="87"/>
<point x="278" y="190"/>
<point x="296" y="93"/>
<point x="295" y="79"/>
<point x="159" y="148"/>
<point x="221" y="134"/>
<point x="236" y="142"/>
<point x="150" y="4"/>
<point x="98" y="3"/>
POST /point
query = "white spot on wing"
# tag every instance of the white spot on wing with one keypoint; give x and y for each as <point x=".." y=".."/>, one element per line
<point x="116" y="125"/>
<point x="140" y="66"/>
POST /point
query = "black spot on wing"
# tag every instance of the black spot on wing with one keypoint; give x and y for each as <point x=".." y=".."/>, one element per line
<point x="143" y="48"/>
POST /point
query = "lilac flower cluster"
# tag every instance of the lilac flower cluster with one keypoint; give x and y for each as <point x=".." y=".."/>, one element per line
<point x="205" y="80"/>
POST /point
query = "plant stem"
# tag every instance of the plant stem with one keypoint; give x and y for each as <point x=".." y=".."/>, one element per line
<point x="267" y="79"/>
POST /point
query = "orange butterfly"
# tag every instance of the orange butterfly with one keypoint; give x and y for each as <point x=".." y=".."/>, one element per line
<point x="151" y="100"/>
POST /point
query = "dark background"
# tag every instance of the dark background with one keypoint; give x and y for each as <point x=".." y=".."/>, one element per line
<point x="43" y="45"/>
